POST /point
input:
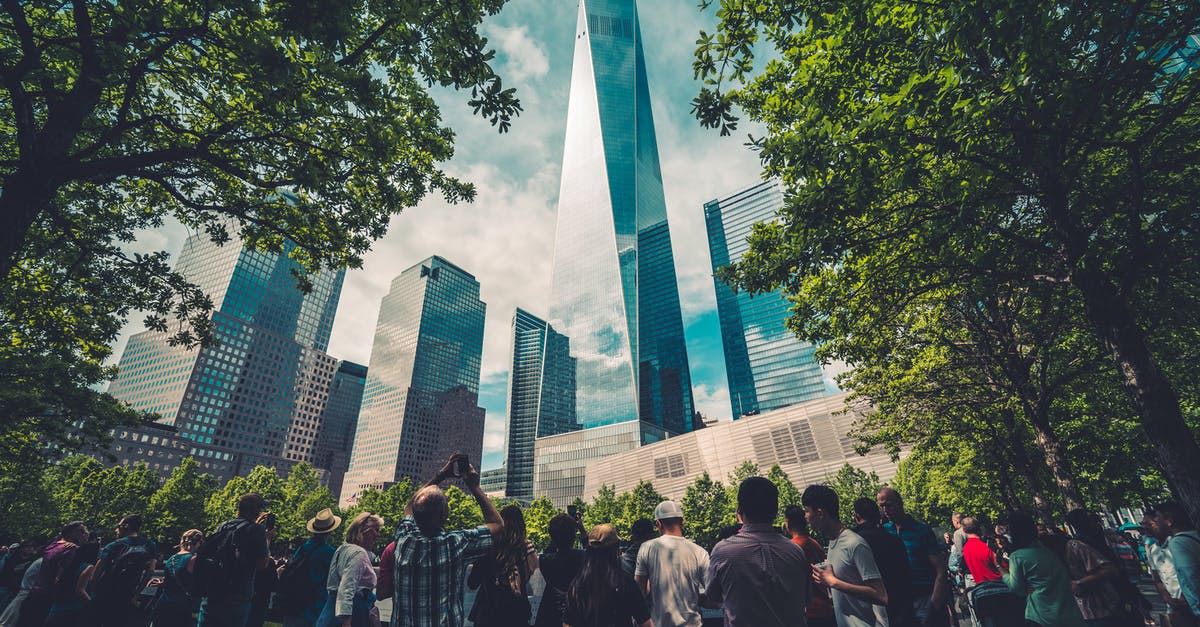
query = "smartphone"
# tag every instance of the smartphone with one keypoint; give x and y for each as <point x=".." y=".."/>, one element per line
<point x="269" y="521"/>
<point x="572" y="511"/>
<point x="461" y="465"/>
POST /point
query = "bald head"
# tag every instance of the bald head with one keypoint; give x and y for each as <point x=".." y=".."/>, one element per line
<point x="430" y="509"/>
<point x="971" y="526"/>
<point x="890" y="504"/>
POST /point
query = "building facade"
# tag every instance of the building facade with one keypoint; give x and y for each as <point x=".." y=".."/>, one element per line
<point x="421" y="399"/>
<point x="766" y="365"/>
<point x="339" y="422"/>
<point x="561" y="462"/>
<point x="809" y="441"/>
<point x="256" y="396"/>
<point x="541" y="397"/>
<point x="614" y="291"/>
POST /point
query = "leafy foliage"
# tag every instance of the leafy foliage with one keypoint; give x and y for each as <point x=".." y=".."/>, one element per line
<point x="706" y="511"/>
<point x="537" y="521"/>
<point x="179" y="504"/>
<point x="851" y="484"/>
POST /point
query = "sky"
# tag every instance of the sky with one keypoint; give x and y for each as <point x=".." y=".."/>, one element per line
<point x="506" y="236"/>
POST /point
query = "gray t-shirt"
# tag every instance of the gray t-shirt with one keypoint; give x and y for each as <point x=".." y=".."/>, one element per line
<point x="852" y="562"/>
<point x="676" y="568"/>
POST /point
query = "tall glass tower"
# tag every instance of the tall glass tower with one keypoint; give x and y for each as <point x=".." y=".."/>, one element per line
<point x="258" y="395"/>
<point x="767" y="366"/>
<point x="541" y="397"/>
<point x="421" y="401"/>
<point x="614" y="291"/>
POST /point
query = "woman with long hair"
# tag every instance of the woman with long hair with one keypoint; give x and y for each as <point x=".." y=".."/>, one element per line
<point x="503" y="574"/>
<point x="1036" y="573"/>
<point x="71" y="597"/>
<point x="175" y="605"/>
<point x="601" y="594"/>
<point x="351" y="580"/>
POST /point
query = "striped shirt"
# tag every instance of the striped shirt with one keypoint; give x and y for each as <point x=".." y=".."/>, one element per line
<point x="919" y="543"/>
<point x="430" y="574"/>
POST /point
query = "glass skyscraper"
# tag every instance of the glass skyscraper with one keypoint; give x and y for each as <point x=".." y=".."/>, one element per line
<point x="421" y="401"/>
<point x="614" y="291"/>
<point x="541" y="397"/>
<point x="256" y="397"/>
<point x="339" y="422"/>
<point x="767" y="366"/>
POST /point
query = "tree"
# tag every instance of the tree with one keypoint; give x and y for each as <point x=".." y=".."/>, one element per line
<point x="788" y="494"/>
<point x="464" y="511"/>
<point x="537" y="521"/>
<point x="390" y="504"/>
<point x="179" y="504"/>
<point x="706" y="510"/>
<point x="605" y="508"/>
<point x="86" y="490"/>
<point x="927" y="146"/>
<point x="851" y="484"/>
<point x="302" y="498"/>
<point x="28" y="507"/>
<point x="636" y="504"/>
<point x="307" y="123"/>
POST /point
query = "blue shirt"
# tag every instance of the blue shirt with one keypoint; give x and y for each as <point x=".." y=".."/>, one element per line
<point x="320" y="555"/>
<point x="1185" y="554"/>
<point x="919" y="544"/>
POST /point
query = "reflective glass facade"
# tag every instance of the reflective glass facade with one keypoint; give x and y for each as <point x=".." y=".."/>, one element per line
<point x="339" y="423"/>
<point x="257" y="396"/>
<point x="420" y="403"/>
<point x="541" y="397"/>
<point x="614" y="290"/>
<point x="767" y="366"/>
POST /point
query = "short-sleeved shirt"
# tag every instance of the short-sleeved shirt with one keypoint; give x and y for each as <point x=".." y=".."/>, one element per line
<point x="1100" y="599"/>
<point x="892" y="561"/>
<point x="676" y="568"/>
<point x="115" y="549"/>
<point x="627" y="607"/>
<point x="919" y="544"/>
<point x="760" y="577"/>
<point x="318" y="555"/>
<point x="980" y="561"/>
<point x="1036" y="573"/>
<point x="176" y="580"/>
<point x="55" y="558"/>
<point x="1160" y="562"/>
<point x="1185" y="554"/>
<point x="852" y="561"/>
<point x="558" y="569"/>
<point x="820" y="606"/>
<point x="430" y="574"/>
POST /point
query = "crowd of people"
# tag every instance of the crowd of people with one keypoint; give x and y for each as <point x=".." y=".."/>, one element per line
<point x="888" y="569"/>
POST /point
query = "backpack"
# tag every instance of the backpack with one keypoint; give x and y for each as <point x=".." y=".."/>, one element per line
<point x="295" y="590"/>
<point x="127" y="563"/>
<point x="216" y="559"/>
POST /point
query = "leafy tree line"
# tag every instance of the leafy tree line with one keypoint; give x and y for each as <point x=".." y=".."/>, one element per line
<point x="990" y="216"/>
<point x="81" y="488"/>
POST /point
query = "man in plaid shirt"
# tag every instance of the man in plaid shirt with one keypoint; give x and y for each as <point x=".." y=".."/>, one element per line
<point x="429" y="569"/>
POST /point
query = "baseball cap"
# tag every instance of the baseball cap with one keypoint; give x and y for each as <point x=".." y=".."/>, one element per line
<point x="602" y="536"/>
<point x="667" y="509"/>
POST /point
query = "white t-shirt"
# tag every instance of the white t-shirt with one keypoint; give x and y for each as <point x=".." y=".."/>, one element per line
<point x="1160" y="562"/>
<point x="676" y="568"/>
<point x="852" y="562"/>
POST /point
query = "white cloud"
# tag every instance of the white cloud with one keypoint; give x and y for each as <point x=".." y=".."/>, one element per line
<point x="523" y="57"/>
<point x="493" y="434"/>
<point x="711" y="400"/>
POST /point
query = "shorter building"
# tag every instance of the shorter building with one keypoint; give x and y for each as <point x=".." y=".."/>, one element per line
<point x="560" y="461"/>
<point x="338" y="424"/>
<point x="809" y="441"/>
<point x="162" y="448"/>
<point x="493" y="481"/>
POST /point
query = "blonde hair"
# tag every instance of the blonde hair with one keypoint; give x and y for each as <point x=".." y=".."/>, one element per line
<point x="355" y="529"/>
<point x="191" y="539"/>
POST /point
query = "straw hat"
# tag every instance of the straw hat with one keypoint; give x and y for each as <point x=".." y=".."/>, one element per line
<point x="324" y="522"/>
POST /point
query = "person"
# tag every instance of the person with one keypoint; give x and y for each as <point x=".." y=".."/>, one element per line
<point x="819" y="612"/>
<point x="16" y="562"/>
<point x="430" y="563"/>
<point x="850" y="573"/>
<point x="992" y="603"/>
<point x="640" y="531"/>
<point x="230" y="592"/>
<point x="1038" y="574"/>
<point x="266" y="576"/>
<point x="71" y="603"/>
<point x="757" y="576"/>
<point x="927" y="560"/>
<point x="560" y="563"/>
<point x="351" y="581"/>
<point x="670" y="571"/>
<point x="1166" y="581"/>
<point x="956" y="542"/>
<point x="1183" y="543"/>
<point x="890" y="558"/>
<point x="120" y="570"/>
<point x="502" y="576"/>
<point x="301" y="593"/>
<point x="601" y="595"/>
<point x="1094" y="571"/>
<point x="56" y="557"/>
<point x="12" y="612"/>
<point x="176" y="605"/>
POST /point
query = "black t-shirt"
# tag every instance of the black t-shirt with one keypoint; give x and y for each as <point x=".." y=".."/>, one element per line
<point x="558" y="569"/>
<point x="892" y="560"/>
<point x="250" y="540"/>
<point x="626" y="606"/>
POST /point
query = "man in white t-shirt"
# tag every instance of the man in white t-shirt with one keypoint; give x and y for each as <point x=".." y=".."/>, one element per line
<point x="671" y="571"/>
<point x="850" y="572"/>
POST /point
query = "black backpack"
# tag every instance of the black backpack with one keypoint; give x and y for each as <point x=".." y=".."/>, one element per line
<point x="295" y="590"/>
<point x="216" y="559"/>
<point x="127" y="564"/>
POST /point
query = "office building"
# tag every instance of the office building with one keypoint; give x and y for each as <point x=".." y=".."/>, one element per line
<point x="339" y="423"/>
<point x="541" y="397"/>
<point x="614" y="290"/>
<point x="421" y="400"/>
<point x="493" y="481"/>
<point x="767" y="366"/>
<point x="809" y="441"/>
<point x="256" y="396"/>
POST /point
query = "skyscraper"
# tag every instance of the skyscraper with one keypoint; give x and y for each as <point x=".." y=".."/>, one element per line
<point x="541" y="397"/>
<point x="767" y="366"/>
<point x="257" y="395"/>
<point x="614" y="291"/>
<point x="339" y="422"/>
<point x="421" y="399"/>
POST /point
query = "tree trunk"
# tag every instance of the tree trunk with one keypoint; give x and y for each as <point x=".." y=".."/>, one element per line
<point x="1019" y="459"/>
<point x="1056" y="457"/>
<point x="24" y="195"/>
<point x="1152" y="393"/>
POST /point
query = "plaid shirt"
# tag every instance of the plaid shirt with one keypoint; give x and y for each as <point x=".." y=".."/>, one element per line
<point x="430" y="574"/>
